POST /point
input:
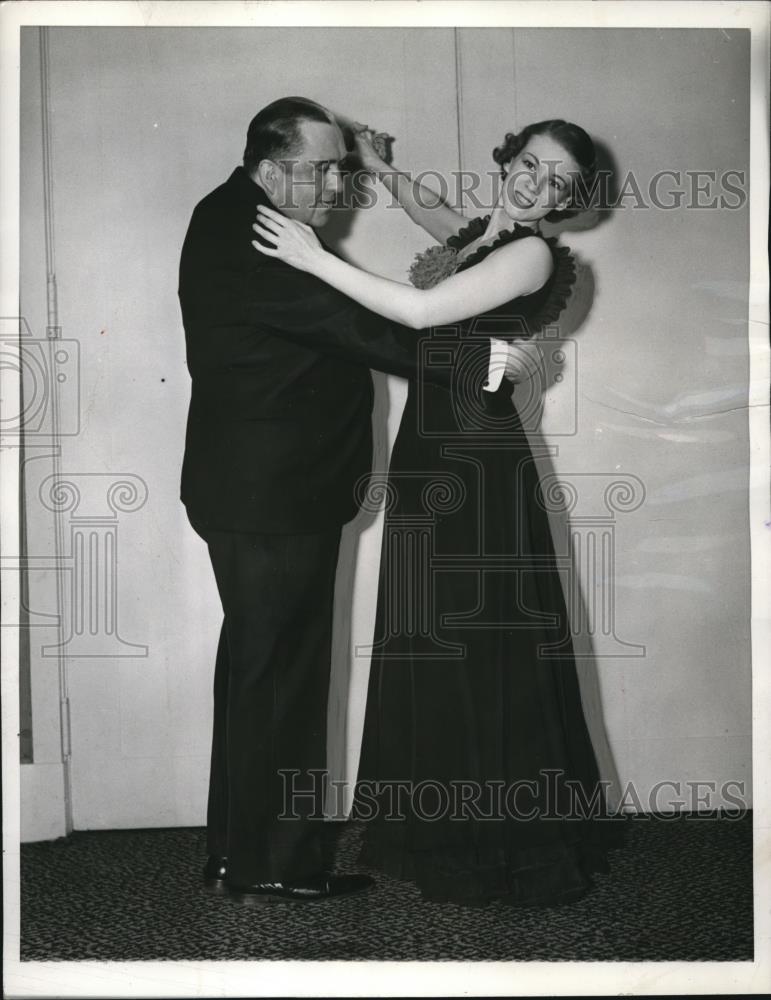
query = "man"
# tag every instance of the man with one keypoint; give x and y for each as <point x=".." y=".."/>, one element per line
<point x="278" y="434"/>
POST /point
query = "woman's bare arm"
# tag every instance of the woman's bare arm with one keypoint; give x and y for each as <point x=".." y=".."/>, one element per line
<point x="515" y="269"/>
<point x="421" y="204"/>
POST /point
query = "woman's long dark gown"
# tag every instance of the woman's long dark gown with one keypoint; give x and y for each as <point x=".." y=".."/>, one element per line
<point x="483" y="730"/>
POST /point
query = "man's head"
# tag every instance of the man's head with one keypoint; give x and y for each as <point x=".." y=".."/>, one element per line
<point x="293" y="151"/>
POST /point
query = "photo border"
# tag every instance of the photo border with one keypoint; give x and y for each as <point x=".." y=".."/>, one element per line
<point x="356" y="978"/>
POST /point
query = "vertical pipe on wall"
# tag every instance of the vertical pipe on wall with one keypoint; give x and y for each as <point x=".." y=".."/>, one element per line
<point x="53" y="333"/>
<point x="48" y="214"/>
<point x="459" y="103"/>
<point x="26" y="755"/>
<point x="515" y="110"/>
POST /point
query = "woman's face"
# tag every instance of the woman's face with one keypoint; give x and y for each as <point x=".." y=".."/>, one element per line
<point x="538" y="180"/>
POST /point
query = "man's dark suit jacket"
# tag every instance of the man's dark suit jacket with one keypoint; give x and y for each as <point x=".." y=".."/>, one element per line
<point x="279" y="428"/>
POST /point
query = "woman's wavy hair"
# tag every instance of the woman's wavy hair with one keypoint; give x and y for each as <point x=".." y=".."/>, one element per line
<point x="574" y="141"/>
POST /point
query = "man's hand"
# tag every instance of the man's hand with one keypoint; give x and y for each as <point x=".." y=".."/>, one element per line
<point x="523" y="360"/>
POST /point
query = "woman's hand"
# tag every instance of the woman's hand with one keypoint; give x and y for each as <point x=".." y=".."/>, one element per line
<point x="370" y="147"/>
<point x="291" y="241"/>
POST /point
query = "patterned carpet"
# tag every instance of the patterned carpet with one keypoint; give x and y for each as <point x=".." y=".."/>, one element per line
<point x="680" y="890"/>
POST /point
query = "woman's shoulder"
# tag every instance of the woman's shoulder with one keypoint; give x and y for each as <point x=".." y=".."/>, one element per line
<point x="520" y="250"/>
<point x="526" y="240"/>
<point x="528" y="246"/>
<point x="527" y="262"/>
<point x="553" y="270"/>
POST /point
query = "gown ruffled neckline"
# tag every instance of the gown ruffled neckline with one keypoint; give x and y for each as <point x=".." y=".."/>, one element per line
<point x="441" y="261"/>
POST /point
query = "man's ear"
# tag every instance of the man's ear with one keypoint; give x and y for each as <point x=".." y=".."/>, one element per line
<point x="268" y="176"/>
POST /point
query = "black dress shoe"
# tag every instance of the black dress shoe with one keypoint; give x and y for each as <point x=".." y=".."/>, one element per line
<point x="214" y="874"/>
<point x="307" y="891"/>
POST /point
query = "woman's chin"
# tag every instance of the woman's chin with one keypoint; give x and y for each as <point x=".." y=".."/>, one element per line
<point x="522" y="218"/>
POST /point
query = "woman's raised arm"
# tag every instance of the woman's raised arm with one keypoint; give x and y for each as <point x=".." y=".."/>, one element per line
<point x="421" y="204"/>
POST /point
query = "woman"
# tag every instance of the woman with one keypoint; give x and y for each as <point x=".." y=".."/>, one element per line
<point x="477" y="774"/>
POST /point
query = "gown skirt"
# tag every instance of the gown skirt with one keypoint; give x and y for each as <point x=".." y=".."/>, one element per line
<point x="477" y="778"/>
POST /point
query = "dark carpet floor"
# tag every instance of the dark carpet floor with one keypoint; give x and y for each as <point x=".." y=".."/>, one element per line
<point x="681" y="889"/>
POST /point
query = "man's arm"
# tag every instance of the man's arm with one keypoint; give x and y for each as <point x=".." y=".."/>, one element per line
<point x="384" y="345"/>
<point x="228" y="286"/>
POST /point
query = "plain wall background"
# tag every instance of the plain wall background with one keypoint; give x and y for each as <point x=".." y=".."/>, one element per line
<point x="144" y="122"/>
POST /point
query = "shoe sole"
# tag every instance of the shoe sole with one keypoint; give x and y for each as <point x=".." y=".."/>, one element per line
<point x="267" y="898"/>
<point x="215" y="887"/>
<point x="250" y="899"/>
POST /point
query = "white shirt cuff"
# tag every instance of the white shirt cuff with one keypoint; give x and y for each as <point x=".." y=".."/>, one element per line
<point x="497" y="368"/>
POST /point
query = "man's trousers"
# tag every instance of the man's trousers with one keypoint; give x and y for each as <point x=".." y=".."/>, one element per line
<point x="271" y="687"/>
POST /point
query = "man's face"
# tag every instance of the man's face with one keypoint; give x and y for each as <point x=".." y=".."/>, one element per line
<point x="307" y="185"/>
